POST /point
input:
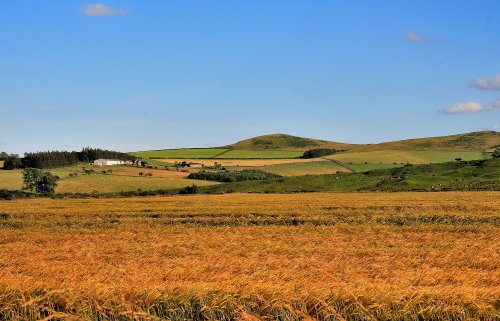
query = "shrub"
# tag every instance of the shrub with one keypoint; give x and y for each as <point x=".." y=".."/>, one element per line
<point x="319" y="152"/>
<point x="189" y="190"/>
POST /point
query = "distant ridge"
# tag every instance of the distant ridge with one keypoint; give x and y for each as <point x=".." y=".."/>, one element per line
<point x="473" y="141"/>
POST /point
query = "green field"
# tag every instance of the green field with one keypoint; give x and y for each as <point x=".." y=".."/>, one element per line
<point x="399" y="156"/>
<point x="255" y="153"/>
<point x="370" y="167"/>
<point x="181" y="153"/>
<point x="123" y="178"/>
<point x="472" y="175"/>
<point x="116" y="183"/>
<point x="310" y="168"/>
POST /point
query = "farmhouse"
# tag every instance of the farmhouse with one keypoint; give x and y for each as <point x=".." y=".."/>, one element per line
<point x="108" y="162"/>
<point x="196" y="165"/>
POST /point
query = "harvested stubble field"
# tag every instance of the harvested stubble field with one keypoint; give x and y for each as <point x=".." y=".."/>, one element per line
<point x="404" y="256"/>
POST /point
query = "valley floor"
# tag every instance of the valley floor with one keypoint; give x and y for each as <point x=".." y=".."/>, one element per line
<point x="318" y="256"/>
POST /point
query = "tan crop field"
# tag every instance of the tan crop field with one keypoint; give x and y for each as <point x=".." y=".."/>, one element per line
<point x="247" y="162"/>
<point x="372" y="256"/>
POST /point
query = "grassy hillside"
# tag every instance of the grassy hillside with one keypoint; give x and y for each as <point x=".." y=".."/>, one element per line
<point x="288" y="142"/>
<point x="475" y="141"/>
<point x="473" y="175"/>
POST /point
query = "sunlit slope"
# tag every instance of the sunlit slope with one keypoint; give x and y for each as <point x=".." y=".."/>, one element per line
<point x="287" y="142"/>
<point x="475" y="141"/>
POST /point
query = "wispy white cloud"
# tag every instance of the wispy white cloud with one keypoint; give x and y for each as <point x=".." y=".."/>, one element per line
<point x="468" y="107"/>
<point x="414" y="37"/>
<point x="420" y="38"/>
<point x="492" y="83"/>
<point x="101" y="10"/>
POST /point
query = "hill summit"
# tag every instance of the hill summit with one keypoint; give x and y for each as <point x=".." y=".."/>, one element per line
<point x="473" y="141"/>
<point x="284" y="141"/>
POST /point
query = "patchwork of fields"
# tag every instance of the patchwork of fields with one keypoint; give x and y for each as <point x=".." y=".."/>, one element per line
<point x="402" y="256"/>
<point x="216" y="153"/>
<point x="181" y="153"/>
<point x="403" y="157"/>
<point x="305" y="168"/>
<point x="122" y="178"/>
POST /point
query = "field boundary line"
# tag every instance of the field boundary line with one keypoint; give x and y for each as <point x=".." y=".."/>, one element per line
<point x="339" y="163"/>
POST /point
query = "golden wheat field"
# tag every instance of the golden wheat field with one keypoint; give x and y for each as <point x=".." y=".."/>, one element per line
<point x="403" y="256"/>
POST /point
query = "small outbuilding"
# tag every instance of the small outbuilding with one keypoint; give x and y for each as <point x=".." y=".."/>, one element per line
<point x="196" y="165"/>
<point x="108" y="162"/>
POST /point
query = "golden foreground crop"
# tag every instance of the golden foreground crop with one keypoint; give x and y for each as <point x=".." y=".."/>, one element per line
<point x="404" y="256"/>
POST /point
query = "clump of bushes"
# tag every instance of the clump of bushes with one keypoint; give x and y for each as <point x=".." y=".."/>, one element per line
<point x="234" y="176"/>
<point x="189" y="190"/>
<point x="496" y="153"/>
<point x="319" y="152"/>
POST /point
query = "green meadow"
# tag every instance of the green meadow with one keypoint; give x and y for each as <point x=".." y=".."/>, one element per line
<point x="181" y="153"/>
<point x="401" y="156"/>
<point x="309" y="168"/>
<point x="259" y="154"/>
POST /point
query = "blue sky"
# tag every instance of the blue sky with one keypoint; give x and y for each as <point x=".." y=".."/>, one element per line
<point x="137" y="75"/>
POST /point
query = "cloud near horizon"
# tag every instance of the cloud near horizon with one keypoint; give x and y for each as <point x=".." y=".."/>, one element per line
<point x="492" y="83"/>
<point x="471" y="107"/>
<point x="468" y="107"/>
<point x="101" y="10"/>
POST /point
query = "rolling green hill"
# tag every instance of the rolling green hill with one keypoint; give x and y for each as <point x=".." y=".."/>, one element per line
<point x="472" y="142"/>
<point x="287" y="142"/>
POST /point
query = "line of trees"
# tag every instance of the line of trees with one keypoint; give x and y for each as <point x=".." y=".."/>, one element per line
<point x="319" y="152"/>
<point x="52" y="159"/>
<point x="234" y="176"/>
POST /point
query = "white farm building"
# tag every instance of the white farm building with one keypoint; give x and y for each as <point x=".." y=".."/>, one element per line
<point x="108" y="162"/>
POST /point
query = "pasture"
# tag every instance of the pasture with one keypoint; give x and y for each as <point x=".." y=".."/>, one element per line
<point x="181" y="153"/>
<point x="405" y="256"/>
<point x="122" y="178"/>
<point x="249" y="162"/>
<point x="255" y="153"/>
<point x="305" y="168"/>
<point x="370" y="167"/>
<point x="401" y="156"/>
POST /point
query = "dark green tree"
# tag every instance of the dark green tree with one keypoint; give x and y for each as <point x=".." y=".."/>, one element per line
<point x="39" y="181"/>
<point x="12" y="162"/>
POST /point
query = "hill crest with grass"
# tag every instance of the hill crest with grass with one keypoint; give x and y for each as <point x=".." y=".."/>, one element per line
<point x="473" y="141"/>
